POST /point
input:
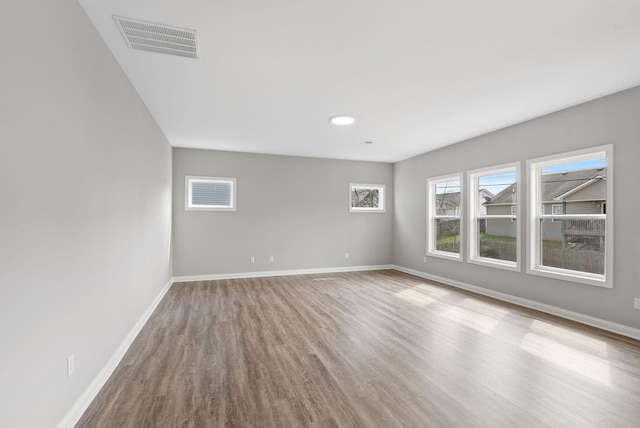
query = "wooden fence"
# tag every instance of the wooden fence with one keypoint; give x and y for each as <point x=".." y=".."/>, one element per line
<point x="498" y="250"/>
<point x="580" y="260"/>
<point x="564" y="258"/>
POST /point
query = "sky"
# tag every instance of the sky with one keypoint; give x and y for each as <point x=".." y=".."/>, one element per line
<point x="495" y="183"/>
<point x="574" y="166"/>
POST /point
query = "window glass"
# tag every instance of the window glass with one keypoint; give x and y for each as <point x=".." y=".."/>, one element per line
<point x="569" y="237"/>
<point x="444" y="211"/>
<point x="494" y="230"/>
<point x="210" y="193"/>
<point x="366" y="197"/>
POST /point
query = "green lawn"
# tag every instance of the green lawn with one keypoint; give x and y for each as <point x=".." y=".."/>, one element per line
<point x="495" y="238"/>
<point x="449" y="239"/>
<point x="483" y="238"/>
<point x="552" y="244"/>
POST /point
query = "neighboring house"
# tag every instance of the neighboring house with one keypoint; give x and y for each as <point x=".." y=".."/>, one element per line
<point x="574" y="192"/>
<point x="449" y="203"/>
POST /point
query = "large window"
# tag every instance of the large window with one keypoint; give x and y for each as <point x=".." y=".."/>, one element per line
<point x="494" y="231"/>
<point x="444" y="210"/>
<point x="570" y="227"/>
<point x="210" y="194"/>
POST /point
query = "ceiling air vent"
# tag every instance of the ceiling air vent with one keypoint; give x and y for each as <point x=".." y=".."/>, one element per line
<point x="150" y="37"/>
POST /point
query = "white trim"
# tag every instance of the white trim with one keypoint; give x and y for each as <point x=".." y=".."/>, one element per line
<point x="474" y="186"/>
<point x="381" y="198"/>
<point x="554" y="220"/>
<point x="431" y="202"/>
<point x="613" y="327"/>
<point x="574" y="216"/>
<point x="187" y="193"/>
<point x="262" y="274"/>
<point x="497" y="263"/>
<point x="534" y="185"/>
<point x="82" y="403"/>
<point x="445" y="255"/>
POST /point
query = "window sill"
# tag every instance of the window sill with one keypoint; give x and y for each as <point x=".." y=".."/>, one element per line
<point x="566" y="275"/>
<point x="495" y="263"/>
<point x="444" y="255"/>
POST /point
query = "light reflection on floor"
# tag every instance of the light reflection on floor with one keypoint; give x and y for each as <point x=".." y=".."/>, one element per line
<point x="580" y="362"/>
<point x="469" y="313"/>
<point x="422" y="295"/>
<point x="544" y="339"/>
<point x="564" y="335"/>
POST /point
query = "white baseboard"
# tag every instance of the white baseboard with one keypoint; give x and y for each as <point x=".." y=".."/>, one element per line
<point x="82" y="403"/>
<point x="278" y="273"/>
<point x="613" y="327"/>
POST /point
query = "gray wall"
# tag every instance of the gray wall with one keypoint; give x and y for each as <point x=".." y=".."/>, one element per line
<point x="293" y="208"/>
<point x="613" y="119"/>
<point x="85" y="179"/>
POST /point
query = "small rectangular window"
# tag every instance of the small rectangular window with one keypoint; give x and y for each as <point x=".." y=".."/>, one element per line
<point x="494" y="232"/>
<point x="366" y="197"/>
<point x="210" y="194"/>
<point x="557" y="209"/>
<point x="571" y="238"/>
<point x="443" y="222"/>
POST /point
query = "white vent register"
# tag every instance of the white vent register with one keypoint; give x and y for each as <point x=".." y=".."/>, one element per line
<point x="162" y="39"/>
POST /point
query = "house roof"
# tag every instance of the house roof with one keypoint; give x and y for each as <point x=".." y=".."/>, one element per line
<point x="554" y="186"/>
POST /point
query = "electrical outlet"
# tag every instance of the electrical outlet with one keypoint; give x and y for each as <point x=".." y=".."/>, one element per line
<point x="271" y="259"/>
<point x="425" y="259"/>
<point x="71" y="364"/>
<point x="346" y="255"/>
<point x="253" y="259"/>
<point x="636" y="303"/>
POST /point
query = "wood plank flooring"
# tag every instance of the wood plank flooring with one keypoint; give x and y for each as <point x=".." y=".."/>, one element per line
<point x="365" y="349"/>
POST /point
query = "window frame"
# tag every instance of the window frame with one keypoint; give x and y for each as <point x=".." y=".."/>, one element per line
<point x="431" y="217"/>
<point x="474" y="216"/>
<point x="382" y="198"/>
<point x="552" y="213"/>
<point x="188" y="206"/>
<point x="534" y="217"/>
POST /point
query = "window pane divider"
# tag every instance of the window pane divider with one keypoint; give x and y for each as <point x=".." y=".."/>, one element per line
<point x="573" y="216"/>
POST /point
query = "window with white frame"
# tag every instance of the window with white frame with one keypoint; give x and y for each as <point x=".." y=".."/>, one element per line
<point x="210" y="194"/>
<point x="366" y="197"/>
<point x="557" y="209"/>
<point x="571" y="235"/>
<point x="494" y="232"/>
<point x="443" y="212"/>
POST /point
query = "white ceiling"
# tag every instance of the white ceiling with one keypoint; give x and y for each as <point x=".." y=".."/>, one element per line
<point x="416" y="74"/>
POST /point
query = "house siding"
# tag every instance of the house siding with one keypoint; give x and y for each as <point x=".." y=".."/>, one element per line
<point x="594" y="192"/>
<point x="501" y="227"/>
<point x="586" y="207"/>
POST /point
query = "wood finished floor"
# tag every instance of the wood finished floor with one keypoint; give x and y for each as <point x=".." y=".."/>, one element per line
<point x="366" y="349"/>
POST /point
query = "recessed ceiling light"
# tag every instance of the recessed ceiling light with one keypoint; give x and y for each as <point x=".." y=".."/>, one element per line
<point x="368" y="142"/>
<point x="342" y="120"/>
